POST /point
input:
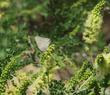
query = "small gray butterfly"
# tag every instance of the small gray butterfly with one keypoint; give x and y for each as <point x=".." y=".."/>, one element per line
<point x="42" y="42"/>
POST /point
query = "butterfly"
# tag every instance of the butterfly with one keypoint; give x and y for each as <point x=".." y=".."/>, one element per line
<point x="42" y="42"/>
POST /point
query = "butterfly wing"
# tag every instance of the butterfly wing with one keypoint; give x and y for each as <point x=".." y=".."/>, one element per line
<point x="42" y="42"/>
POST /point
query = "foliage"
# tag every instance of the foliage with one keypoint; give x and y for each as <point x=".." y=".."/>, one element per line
<point x="77" y="43"/>
<point x="56" y="87"/>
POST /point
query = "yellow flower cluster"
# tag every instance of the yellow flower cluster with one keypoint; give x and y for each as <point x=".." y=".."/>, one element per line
<point x="93" y="24"/>
<point x="47" y="54"/>
<point x="102" y="64"/>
